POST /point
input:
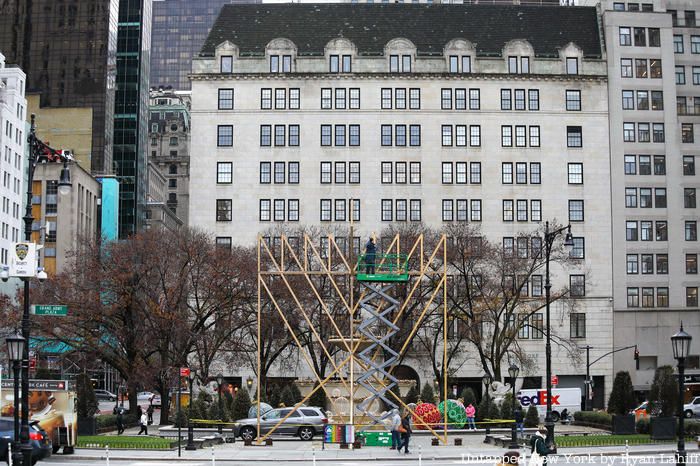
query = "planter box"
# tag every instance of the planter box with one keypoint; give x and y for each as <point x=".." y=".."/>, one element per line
<point x="623" y="425"/>
<point x="663" y="428"/>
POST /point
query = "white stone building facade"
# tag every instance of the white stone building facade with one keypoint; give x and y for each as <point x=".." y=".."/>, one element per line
<point x="13" y="144"/>
<point x="401" y="131"/>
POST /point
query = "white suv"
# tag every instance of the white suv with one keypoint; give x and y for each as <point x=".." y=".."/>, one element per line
<point x="692" y="409"/>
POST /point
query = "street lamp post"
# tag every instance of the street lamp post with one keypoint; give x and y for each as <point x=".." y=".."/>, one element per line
<point x="190" y="433"/>
<point x="249" y="382"/>
<point x="15" y="348"/>
<point x="549" y="237"/>
<point x="220" y="382"/>
<point x="38" y="151"/>
<point x="487" y="379"/>
<point x="681" y="348"/>
<point x="513" y="371"/>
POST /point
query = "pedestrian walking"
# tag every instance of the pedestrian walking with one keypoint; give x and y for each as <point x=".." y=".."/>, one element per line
<point x="538" y="448"/>
<point x="149" y="412"/>
<point x="519" y="420"/>
<point x="120" y="420"/>
<point x="144" y="424"/>
<point x="406" y="431"/>
<point x="370" y="255"/>
<point x="395" y="425"/>
<point x="471" y="413"/>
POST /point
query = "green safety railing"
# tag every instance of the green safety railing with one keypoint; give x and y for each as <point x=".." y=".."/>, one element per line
<point x="383" y="267"/>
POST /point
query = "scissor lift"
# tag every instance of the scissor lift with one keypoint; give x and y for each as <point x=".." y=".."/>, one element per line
<point x="378" y="307"/>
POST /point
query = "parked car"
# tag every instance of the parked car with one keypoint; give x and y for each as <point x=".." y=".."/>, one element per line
<point x="41" y="444"/>
<point x="692" y="409"/>
<point x="304" y="423"/>
<point x="155" y="400"/>
<point x="103" y="395"/>
<point x="144" y="396"/>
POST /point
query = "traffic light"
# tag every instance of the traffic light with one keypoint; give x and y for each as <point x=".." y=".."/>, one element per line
<point x="636" y="357"/>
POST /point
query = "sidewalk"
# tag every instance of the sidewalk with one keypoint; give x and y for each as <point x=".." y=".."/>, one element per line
<point x="298" y="451"/>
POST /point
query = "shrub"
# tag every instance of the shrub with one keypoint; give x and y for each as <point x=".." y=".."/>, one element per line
<point x="105" y="421"/>
<point x="532" y="417"/>
<point x="412" y="394"/>
<point x="427" y="395"/>
<point x="87" y="402"/>
<point x="296" y="394"/>
<point x="273" y="399"/>
<point x="621" y="399"/>
<point x="468" y="396"/>
<point x="241" y="405"/>
<point x="663" y="396"/>
<point x="286" y="396"/>
<point x="483" y="410"/>
<point x="593" y="417"/>
<point x="642" y="426"/>
<point x="506" y="411"/>
<point x="180" y="418"/>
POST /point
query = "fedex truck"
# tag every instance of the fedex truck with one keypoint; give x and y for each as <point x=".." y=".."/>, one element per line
<point x="562" y="398"/>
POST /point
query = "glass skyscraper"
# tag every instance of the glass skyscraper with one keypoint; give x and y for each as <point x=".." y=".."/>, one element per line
<point x="178" y="32"/>
<point x="131" y="111"/>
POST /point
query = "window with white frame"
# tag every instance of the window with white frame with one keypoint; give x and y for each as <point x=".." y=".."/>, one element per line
<point x="224" y="172"/>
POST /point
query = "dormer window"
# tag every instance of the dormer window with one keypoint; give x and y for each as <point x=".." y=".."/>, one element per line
<point x="227" y="64"/>
<point x="460" y="64"/>
<point x="341" y="63"/>
<point x="400" y="64"/>
<point x="519" y="65"/>
<point x="280" y="63"/>
<point x="571" y="65"/>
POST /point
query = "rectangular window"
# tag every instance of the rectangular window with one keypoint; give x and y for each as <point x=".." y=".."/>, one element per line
<point x="575" y="173"/>
<point x="533" y="99"/>
<point x="475" y="135"/>
<point x="224" y="135"/>
<point x="280" y="99"/>
<point x="691" y="296"/>
<point x="630" y="165"/>
<point x="414" y="135"/>
<point x="460" y="99"/>
<point x="293" y="210"/>
<point x="534" y="136"/>
<point x="632" y="264"/>
<point x="474" y="99"/>
<point x="447" y="210"/>
<point x="691" y="230"/>
<point x="461" y="172"/>
<point x="278" y="212"/>
<point x="447" y="173"/>
<point x="401" y="210"/>
<point x="628" y="100"/>
<point x="387" y="210"/>
<point x="571" y="65"/>
<point x="643" y="133"/>
<point x="340" y="135"/>
<point x="340" y="96"/>
<point x="647" y="297"/>
<point x="446" y="99"/>
<point x="280" y="135"/>
<point x="574" y="136"/>
<point x="462" y="210"/>
<point x="226" y="64"/>
<point x="535" y="173"/>
<point x="326" y="135"/>
<point x="660" y="198"/>
<point x="334" y="64"/>
<point x="293" y="135"/>
<point x="506" y="99"/>
<point x="280" y="172"/>
<point x="393" y="64"/>
<point x="576" y="210"/>
<point x="688" y="165"/>
<point x="326" y="208"/>
<point x="625" y="36"/>
<point x="387" y="172"/>
<point x="386" y="135"/>
<point x="677" y="43"/>
<point x="265" y="172"/>
<point x="687" y="135"/>
<point x="265" y="135"/>
<point x="662" y="264"/>
<point x="354" y="135"/>
<point x="461" y="135"/>
<point x="645" y="199"/>
<point x="630" y="197"/>
<point x="224" y="172"/>
<point x="657" y="100"/>
<point x="573" y="100"/>
<point x="293" y="173"/>
<point x="400" y="135"/>
<point x="520" y="136"/>
<point x="294" y="98"/>
<point x="340" y="213"/>
<point x="577" y="285"/>
<point x="689" y="198"/>
<point x="536" y="210"/>
<point x="400" y="98"/>
<point x="645" y="165"/>
<point x="454" y="64"/>
<point x="415" y="173"/>
<point x="415" y="212"/>
<point x="655" y="68"/>
<point x="521" y="173"/>
<point x="347" y="64"/>
<point x="327" y="99"/>
<point x="578" y="250"/>
<point x="521" y="210"/>
<point x="400" y="172"/>
<point x="662" y="297"/>
<point x="340" y="172"/>
<point x="578" y="325"/>
<point x="661" y="230"/>
<point x="694" y="44"/>
<point x="658" y="132"/>
<point x="640" y="37"/>
<point x="632" y="297"/>
<point x="475" y="210"/>
<point x="626" y="68"/>
<point x="274" y="63"/>
<point x="654" y="37"/>
<point x="224" y="210"/>
<point x="640" y="68"/>
<point x="536" y="285"/>
<point x="680" y="74"/>
<point x="354" y="172"/>
<point x="265" y="210"/>
<point x="326" y="172"/>
<point x="507" y="210"/>
<point x="475" y="172"/>
<point x="225" y="99"/>
<point x="646" y="231"/>
<point x="386" y="99"/>
<point x="507" y="136"/>
<point x="446" y="135"/>
<point x="223" y="242"/>
<point x="519" y="99"/>
<point x="466" y="64"/>
<point x="354" y="98"/>
<point x="507" y="173"/>
<point x="537" y="326"/>
<point x="647" y="264"/>
<point x="691" y="264"/>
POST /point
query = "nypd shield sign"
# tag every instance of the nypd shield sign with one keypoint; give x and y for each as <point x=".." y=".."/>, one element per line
<point x="23" y="261"/>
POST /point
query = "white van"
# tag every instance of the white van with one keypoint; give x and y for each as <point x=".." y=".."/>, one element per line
<point x="562" y="398"/>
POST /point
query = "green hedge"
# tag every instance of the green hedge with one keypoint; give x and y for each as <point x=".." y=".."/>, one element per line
<point x="600" y="418"/>
<point x="110" y="420"/>
<point x="125" y="442"/>
<point x="692" y="427"/>
<point x="604" y="440"/>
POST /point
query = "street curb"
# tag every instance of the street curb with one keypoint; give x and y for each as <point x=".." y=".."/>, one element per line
<point x="411" y="457"/>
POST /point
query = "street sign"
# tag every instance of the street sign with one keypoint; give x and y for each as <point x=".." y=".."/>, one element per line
<point x="50" y="310"/>
<point x="23" y="260"/>
<point x="555" y="380"/>
<point x="184" y="372"/>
